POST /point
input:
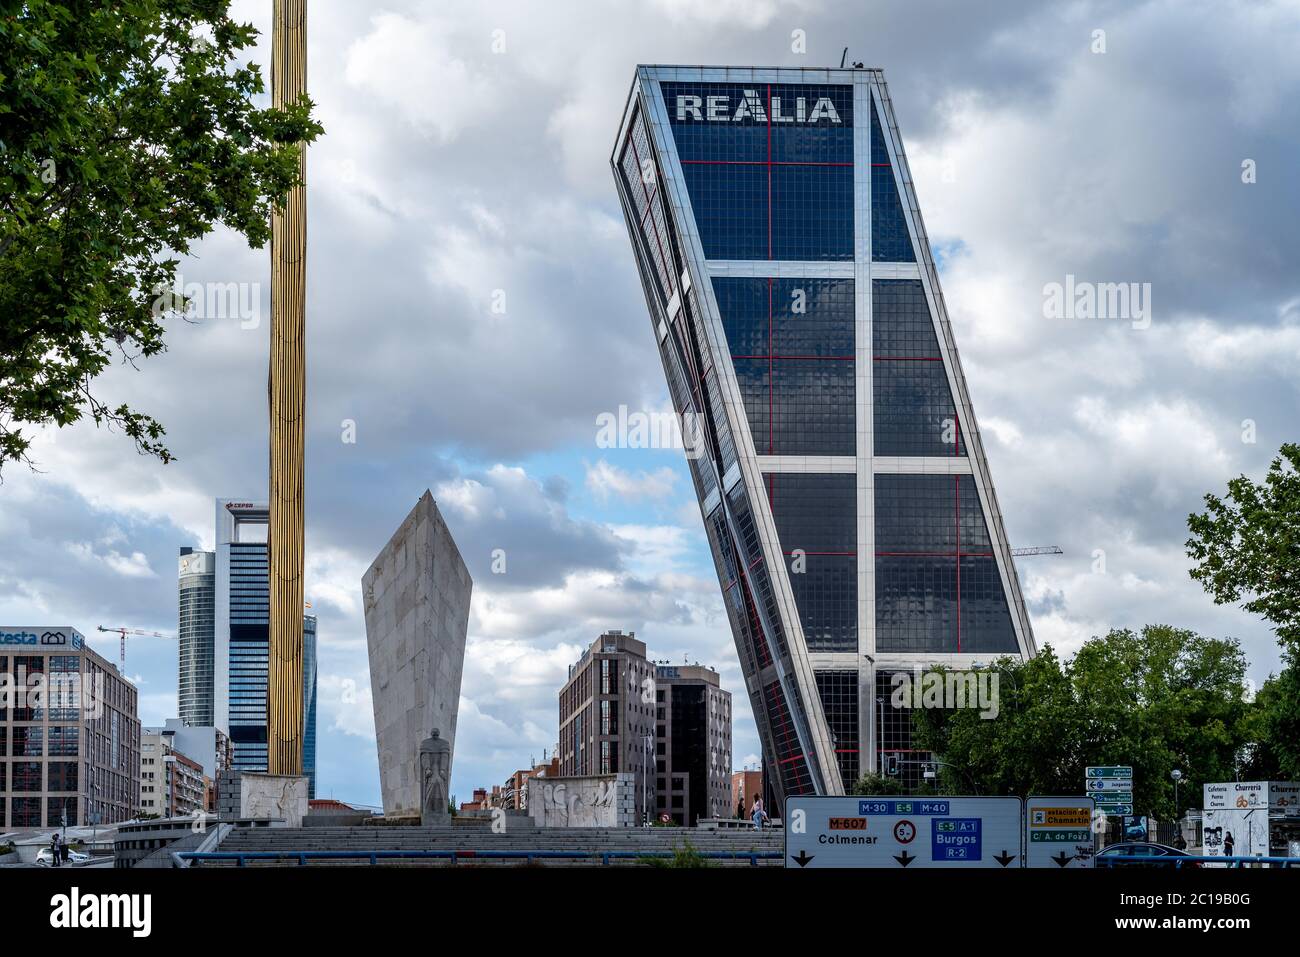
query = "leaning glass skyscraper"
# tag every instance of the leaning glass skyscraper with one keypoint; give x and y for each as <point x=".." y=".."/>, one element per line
<point x="801" y="327"/>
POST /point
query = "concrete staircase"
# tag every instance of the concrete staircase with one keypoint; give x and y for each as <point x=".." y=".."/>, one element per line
<point x="480" y="837"/>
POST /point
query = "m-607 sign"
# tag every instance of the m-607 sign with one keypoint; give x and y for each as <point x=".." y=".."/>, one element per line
<point x="903" y="833"/>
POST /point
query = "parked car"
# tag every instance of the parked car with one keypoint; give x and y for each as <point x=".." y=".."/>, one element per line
<point x="1121" y="855"/>
<point x="45" y="857"/>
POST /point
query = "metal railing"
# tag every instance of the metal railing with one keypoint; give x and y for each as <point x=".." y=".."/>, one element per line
<point x="212" y="840"/>
<point x="456" y="856"/>
<point x="1177" y="861"/>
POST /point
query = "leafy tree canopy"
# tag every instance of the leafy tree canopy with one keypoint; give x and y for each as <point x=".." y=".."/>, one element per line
<point x="128" y="130"/>
<point x="1160" y="699"/>
<point x="1247" y="545"/>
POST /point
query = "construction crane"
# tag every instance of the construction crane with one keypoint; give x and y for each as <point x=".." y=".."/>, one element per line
<point x="123" y="632"/>
<point x="1037" y="550"/>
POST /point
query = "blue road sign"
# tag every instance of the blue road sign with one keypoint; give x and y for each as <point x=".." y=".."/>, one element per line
<point x="891" y="832"/>
<point x="955" y="838"/>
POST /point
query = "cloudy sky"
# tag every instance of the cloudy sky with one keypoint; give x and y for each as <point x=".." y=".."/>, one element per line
<point x="465" y="164"/>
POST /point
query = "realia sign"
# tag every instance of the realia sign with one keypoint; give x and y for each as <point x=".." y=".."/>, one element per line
<point x="754" y="107"/>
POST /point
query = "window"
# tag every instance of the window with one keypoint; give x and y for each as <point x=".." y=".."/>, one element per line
<point x="768" y="167"/>
<point x="816" y="521"/>
<point x="63" y="740"/>
<point x="641" y="178"/>
<point x="913" y="408"/>
<point x="62" y="776"/>
<point x="890" y="241"/>
<point x="792" y="347"/>
<point x="937" y="584"/>
<point x="29" y="741"/>
<point x="24" y="667"/>
<point x="26" y="812"/>
<point x="838" y="691"/>
<point x="26" y="776"/>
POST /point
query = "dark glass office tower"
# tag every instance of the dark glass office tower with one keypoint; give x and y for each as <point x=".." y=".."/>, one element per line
<point x="309" y="702"/>
<point x="196" y="606"/>
<point x="241" y="640"/>
<point x="799" y="319"/>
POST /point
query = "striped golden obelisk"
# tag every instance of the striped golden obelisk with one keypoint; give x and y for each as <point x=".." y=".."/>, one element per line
<point x="288" y="398"/>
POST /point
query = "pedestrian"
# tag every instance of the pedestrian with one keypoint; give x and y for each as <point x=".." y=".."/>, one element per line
<point x="55" y="857"/>
<point x="65" y="851"/>
<point x="757" y="813"/>
<point x="1227" y="844"/>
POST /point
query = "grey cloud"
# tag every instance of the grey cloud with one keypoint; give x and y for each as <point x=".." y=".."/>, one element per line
<point x="1116" y="167"/>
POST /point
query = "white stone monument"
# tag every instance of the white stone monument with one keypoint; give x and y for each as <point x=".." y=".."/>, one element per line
<point x="416" y="600"/>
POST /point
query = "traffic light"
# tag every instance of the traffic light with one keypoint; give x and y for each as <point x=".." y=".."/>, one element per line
<point x="891" y="765"/>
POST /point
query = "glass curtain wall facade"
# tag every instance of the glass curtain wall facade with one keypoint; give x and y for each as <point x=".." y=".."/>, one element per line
<point x="241" y="646"/>
<point x="802" y="331"/>
<point x="309" y="702"/>
<point x="196" y="605"/>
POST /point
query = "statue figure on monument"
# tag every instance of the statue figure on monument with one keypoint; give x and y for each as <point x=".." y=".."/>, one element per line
<point x="435" y="776"/>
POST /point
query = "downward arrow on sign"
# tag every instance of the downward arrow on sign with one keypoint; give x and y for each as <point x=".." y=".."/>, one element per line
<point x="1004" y="858"/>
<point x="1063" y="858"/>
<point x="803" y="858"/>
<point x="904" y="858"/>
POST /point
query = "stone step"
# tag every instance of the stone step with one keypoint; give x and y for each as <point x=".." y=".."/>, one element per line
<point x="517" y="837"/>
<point x="481" y="864"/>
<point x="492" y="845"/>
<point x="543" y="838"/>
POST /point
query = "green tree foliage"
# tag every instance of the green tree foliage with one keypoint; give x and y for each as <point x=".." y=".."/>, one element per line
<point x="1274" y="751"/>
<point x="1247" y="545"/>
<point x="873" y="783"/>
<point x="1029" y="748"/>
<point x="1162" y="699"/>
<point x="128" y="130"/>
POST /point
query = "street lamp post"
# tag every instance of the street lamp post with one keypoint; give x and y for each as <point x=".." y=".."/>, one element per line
<point x="94" y="814"/>
<point x="1177" y="775"/>
<point x="645" y="778"/>
<point x="880" y="735"/>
